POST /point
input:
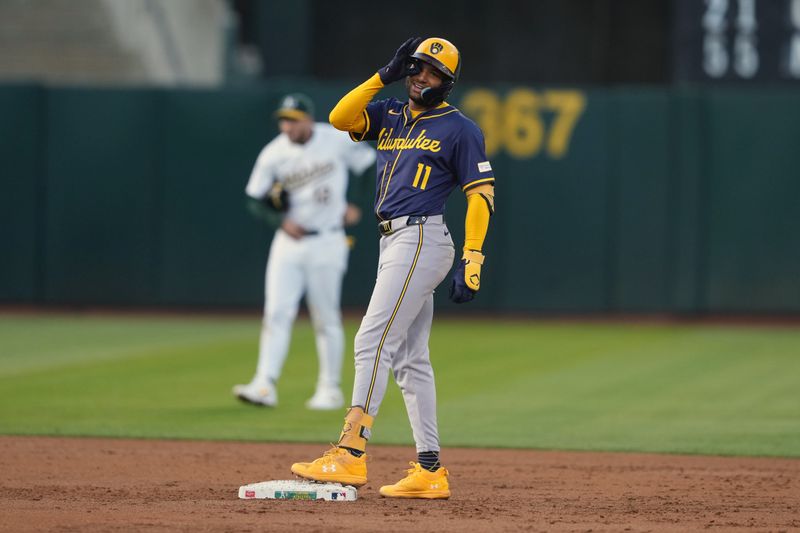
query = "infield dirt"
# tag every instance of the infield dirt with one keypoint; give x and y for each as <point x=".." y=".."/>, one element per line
<point x="74" y="484"/>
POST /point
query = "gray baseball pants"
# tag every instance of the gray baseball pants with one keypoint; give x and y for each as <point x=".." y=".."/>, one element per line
<point x="395" y="330"/>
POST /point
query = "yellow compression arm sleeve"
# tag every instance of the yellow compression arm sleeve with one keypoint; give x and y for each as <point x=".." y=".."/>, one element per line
<point x="480" y="206"/>
<point x="349" y="113"/>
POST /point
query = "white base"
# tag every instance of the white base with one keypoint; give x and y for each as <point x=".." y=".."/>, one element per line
<point x="298" y="490"/>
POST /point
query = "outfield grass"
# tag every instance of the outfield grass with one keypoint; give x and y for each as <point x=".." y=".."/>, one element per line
<point x="665" y="388"/>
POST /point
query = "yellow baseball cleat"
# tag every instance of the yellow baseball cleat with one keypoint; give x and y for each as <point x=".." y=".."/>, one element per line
<point x="420" y="483"/>
<point x="337" y="465"/>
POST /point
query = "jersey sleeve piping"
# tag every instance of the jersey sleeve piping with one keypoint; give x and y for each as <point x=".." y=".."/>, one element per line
<point x="357" y="137"/>
<point x="475" y="183"/>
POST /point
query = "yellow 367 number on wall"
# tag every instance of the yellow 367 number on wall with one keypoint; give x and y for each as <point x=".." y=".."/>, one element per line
<point x="518" y="125"/>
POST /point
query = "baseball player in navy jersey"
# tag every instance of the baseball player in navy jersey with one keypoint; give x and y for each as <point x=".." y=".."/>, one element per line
<point x="302" y="174"/>
<point x="426" y="148"/>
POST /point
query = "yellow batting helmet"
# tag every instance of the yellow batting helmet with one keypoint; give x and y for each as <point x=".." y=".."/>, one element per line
<point x="441" y="54"/>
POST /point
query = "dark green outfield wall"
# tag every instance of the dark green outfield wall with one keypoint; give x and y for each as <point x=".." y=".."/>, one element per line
<point x="21" y="194"/>
<point x="617" y="200"/>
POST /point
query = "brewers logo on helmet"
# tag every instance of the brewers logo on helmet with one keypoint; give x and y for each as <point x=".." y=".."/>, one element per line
<point x="441" y="54"/>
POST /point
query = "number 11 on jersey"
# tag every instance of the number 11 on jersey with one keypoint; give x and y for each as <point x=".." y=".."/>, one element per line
<point x="420" y="169"/>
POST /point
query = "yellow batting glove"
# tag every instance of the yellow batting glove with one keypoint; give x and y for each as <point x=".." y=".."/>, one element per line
<point x="472" y="268"/>
<point x="467" y="277"/>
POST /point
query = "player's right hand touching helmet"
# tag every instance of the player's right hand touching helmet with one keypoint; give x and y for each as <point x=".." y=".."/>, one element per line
<point x="402" y="64"/>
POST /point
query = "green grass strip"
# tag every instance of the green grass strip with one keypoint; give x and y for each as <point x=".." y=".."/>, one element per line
<point x="727" y="390"/>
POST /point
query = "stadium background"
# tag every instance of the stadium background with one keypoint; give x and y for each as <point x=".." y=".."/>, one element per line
<point x="630" y="179"/>
<point x="641" y="290"/>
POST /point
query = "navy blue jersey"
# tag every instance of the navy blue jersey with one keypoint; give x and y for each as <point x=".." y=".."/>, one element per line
<point x="421" y="160"/>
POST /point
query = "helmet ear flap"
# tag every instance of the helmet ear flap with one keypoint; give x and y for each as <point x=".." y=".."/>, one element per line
<point x="434" y="96"/>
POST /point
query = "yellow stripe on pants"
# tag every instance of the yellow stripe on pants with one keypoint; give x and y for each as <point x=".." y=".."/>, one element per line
<point x="391" y="320"/>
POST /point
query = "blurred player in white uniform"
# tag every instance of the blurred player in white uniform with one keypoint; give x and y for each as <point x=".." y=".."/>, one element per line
<point x="302" y="174"/>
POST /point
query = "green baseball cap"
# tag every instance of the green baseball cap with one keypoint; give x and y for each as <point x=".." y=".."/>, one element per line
<point x="295" y="106"/>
